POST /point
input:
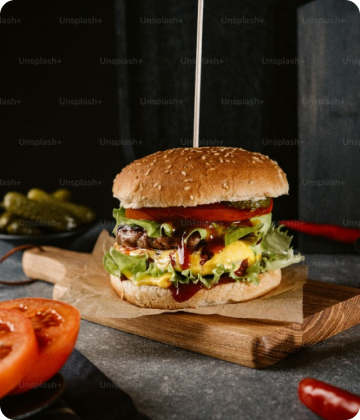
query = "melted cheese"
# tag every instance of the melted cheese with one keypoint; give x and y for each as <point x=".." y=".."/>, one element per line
<point x="234" y="253"/>
<point x="163" y="281"/>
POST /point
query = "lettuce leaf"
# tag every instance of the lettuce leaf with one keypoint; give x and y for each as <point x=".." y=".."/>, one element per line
<point x="167" y="229"/>
<point x="152" y="228"/>
<point x="272" y="244"/>
<point x="275" y="249"/>
<point x="235" y="233"/>
<point x="202" y="232"/>
<point x="251" y="273"/>
<point x="116" y="263"/>
<point x="155" y="230"/>
<point x="265" y="221"/>
<point x="261" y="225"/>
<point x="152" y="271"/>
<point x="276" y="241"/>
<point x="110" y="265"/>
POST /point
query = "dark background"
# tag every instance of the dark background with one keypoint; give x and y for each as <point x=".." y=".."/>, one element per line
<point x="279" y="77"/>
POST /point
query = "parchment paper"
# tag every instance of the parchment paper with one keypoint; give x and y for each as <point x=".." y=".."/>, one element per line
<point x="92" y="294"/>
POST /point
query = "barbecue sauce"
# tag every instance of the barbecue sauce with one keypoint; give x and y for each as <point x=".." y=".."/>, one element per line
<point x="184" y="292"/>
<point x="242" y="269"/>
<point x="214" y="244"/>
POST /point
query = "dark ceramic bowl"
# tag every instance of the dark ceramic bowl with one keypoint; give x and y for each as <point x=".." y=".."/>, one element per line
<point x="60" y="240"/>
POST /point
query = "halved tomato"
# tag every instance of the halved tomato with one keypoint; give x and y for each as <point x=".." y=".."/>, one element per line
<point x="210" y="212"/>
<point x="56" y="325"/>
<point x="18" y="349"/>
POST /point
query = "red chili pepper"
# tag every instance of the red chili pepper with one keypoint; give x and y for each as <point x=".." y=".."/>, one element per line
<point x="328" y="401"/>
<point x="334" y="232"/>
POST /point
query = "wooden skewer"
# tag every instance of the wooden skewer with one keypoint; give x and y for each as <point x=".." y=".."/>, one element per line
<point x="198" y="73"/>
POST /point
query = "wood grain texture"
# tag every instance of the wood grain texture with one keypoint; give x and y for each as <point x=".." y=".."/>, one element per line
<point x="328" y="310"/>
<point x="53" y="265"/>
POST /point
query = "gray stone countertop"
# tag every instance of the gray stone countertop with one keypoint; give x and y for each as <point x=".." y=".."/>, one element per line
<point x="166" y="382"/>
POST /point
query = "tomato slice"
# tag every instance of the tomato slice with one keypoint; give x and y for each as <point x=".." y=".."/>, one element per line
<point x="56" y="325"/>
<point x="210" y="212"/>
<point x="18" y="349"/>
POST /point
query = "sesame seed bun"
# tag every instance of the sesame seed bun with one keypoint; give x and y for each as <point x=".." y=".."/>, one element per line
<point x="160" y="298"/>
<point x="192" y="176"/>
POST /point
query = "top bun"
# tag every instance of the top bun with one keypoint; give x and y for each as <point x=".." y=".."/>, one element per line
<point x="191" y="176"/>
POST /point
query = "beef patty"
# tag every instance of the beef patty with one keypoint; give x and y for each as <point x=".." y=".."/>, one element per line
<point x="137" y="237"/>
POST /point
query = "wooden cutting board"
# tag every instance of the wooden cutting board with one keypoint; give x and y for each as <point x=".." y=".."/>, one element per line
<point x="328" y="310"/>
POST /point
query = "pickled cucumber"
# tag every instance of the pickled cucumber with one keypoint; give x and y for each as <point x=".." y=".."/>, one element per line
<point x="62" y="194"/>
<point x="48" y="216"/>
<point x="82" y="214"/>
<point x="19" y="227"/>
<point x="249" y="204"/>
<point x="5" y="219"/>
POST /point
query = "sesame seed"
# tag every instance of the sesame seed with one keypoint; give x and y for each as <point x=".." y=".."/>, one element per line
<point x="233" y="161"/>
<point x="206" y="163"/>
<point x="167" y="172"/>
<point x="159" y="187"/>
<point x="191" y="197"/>
<point x="251" y="182"/>
<point x="183" y="173"/>
<point x="156" y="184"/>
<point x="167" y="160"/>
<point x="203" y="157"/>
<point x="228" y="161"/>
<point x="187" y="188"/>
<point x="225" y="186"/>
<point x="221" y="161"/>
<point x="212" y="169"/>
<point x="169" y="166"/>
<point x="216" y="154"/>
<point x="147" y="173"/>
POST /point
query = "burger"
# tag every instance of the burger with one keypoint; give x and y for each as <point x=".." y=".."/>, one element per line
<point x="194" y="228"/>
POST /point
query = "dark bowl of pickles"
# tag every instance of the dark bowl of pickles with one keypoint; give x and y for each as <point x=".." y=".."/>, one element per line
<point x="42" y="218"/>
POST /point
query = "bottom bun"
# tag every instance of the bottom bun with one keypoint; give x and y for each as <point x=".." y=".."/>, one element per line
<point x="160" y="298"/>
